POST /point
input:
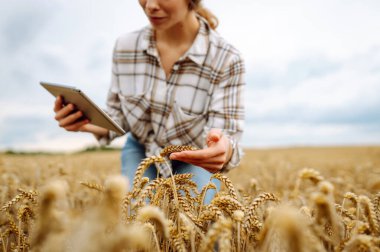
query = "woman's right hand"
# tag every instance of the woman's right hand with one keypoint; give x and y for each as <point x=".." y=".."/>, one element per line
<point x="68" y="117"/>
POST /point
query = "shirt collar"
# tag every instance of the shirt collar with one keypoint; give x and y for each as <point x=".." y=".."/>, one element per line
<point x="198" y="50"/>
<point x="148" y="43"/>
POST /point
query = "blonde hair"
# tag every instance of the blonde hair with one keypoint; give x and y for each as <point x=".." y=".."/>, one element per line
<point x="204" y="12"/>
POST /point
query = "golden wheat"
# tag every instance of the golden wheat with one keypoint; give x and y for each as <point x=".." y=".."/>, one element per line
<point x="169" y="214"/>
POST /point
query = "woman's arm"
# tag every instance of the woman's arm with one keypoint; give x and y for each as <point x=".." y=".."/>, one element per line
<point x="71" y="119"/>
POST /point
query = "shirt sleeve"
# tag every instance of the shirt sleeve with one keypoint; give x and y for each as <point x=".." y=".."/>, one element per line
<point x="114" y="109"/>
<point x="227" y="108"/>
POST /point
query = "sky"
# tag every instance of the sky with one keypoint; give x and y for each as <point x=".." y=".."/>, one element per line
<point x="313" y="67"/>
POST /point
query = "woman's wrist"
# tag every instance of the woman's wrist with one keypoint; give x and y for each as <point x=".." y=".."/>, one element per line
<point x="98" y="131"/>
<point x="230" y="149"/>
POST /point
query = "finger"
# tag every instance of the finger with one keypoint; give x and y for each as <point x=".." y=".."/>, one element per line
<point x="58" y="104"/>
<point x="77" y="125"/>
<point x="197" y="154"/>
<point x="64" y="112"/>
<point x="212" y="163"/>
<point x="70" y="119"/>
<point x="210" y="167"/>
<point x="214" y="136"/>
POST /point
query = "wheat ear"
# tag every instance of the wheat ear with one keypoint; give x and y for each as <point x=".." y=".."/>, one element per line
<point x="12" y="202"/>
<point x="251" y="220"/>
<point x="145" y="163"/>
<point x="92" y="185"/>
<point x="227" y="182"/>
<point x="228" y="204"/>
<point x="176" y="239"/>
<point x="155" y="215"/>
<point x="306" y="174"/>
<point x="369" y="212"/>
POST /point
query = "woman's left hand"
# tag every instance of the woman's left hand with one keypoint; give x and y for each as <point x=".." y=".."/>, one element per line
<point x="212" y="158"/>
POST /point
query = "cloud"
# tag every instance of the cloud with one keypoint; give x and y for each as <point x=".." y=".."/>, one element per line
<point x="23" y="21"/>
<point x="274" y="33"/>
<point x="264" y="135"/>
<point x="345" y="91"/>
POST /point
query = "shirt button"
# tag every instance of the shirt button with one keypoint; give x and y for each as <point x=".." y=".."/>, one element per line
<point x="175" y="67"/>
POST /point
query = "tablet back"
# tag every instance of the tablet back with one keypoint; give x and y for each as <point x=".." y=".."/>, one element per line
<point x="90" y="110"/>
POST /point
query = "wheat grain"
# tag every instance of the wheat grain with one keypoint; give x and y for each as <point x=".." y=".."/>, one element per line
<point x="369" y="212"/>
<point x="227" y="182"/>
<point x="251" y="221"/>
<point x="142" y="168"/>
<point x="92" y="185"/>
<point x="154" y="214"/>
<point x="210" y="212"/>
<point x="228" y="204"/>
<point x="148" y="192"/>
<point x="50" y="220"/>
<point x="344" y="212"/>
<point x="326" y="216"/>
<point x="306" y="174"/>
<point x="31" y="195"/>
<point x="12" y="202"/>
<point x="176" y="239"/>
<point x="25" y="213"/>
<point x="176" y="148"/>
<point x="360" y="243"/>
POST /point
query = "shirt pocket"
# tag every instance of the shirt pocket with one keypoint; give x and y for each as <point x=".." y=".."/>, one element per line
<point x="185" y="128"/>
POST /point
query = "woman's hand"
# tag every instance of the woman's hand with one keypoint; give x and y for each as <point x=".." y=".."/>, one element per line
<point x="69" y="118"/>
<point x="212" y="158"/>
<point x="73" y="120"/>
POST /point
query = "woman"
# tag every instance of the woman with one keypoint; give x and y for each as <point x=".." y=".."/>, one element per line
<point x="176" y="82"/>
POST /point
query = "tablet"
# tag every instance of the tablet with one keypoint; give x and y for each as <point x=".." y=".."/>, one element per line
<point x="90" y="110"/>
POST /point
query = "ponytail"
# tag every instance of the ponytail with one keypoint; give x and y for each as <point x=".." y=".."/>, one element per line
<point x="204" y="12"/>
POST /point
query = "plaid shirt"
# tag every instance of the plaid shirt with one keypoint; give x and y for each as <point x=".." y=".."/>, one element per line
<point x="204" y="90"/>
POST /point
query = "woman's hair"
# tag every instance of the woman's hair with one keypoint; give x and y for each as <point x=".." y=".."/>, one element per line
<point x="203" y="12"/>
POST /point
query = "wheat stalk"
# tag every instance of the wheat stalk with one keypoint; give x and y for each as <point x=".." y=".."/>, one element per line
<point x="218" y="228"/>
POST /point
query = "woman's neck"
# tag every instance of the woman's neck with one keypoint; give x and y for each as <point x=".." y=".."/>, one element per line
<point x="181" y="33"/>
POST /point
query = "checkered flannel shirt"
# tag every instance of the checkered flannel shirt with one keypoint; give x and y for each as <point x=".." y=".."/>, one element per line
<point x="204" y="90"/>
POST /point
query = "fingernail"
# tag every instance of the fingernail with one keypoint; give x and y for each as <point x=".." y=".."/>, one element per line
<point x="172" y="156"/>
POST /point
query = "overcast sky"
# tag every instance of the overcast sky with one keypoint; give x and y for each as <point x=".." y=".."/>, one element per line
<point x="313" y="67"/>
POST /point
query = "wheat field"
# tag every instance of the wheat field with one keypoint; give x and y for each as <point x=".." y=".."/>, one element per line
<point x="295" y="199"/>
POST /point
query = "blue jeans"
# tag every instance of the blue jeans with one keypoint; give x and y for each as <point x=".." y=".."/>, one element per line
<point x="133" y="153"/>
